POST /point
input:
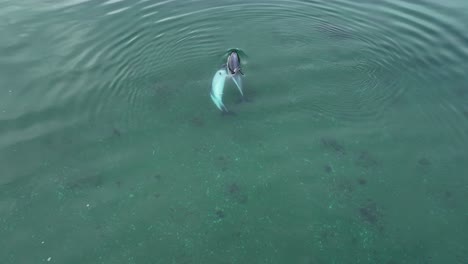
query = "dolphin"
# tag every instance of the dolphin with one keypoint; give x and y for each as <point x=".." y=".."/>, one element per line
<point x="234" y="70"/>
<point x="230" y="70"/>
<point x="217" y="88"/>
<point x="233" y="63"/>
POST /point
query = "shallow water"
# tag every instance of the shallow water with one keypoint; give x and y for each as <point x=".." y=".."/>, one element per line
<point x="353" y="148"/>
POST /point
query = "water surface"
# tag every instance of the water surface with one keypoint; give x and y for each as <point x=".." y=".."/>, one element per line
<point x="352" y="150"/>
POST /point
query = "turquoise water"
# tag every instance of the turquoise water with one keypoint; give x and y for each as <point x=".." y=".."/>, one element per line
<point x="353" y="148"/>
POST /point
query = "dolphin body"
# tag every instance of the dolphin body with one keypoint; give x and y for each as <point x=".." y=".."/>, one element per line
<point x="234" y="69"/>
<point x="217" y="88"/>
<point x="231" y="70"/>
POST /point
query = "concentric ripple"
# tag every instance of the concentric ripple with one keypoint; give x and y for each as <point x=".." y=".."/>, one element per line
<point x="347" y="60"/>
<point x="105" y="114"/>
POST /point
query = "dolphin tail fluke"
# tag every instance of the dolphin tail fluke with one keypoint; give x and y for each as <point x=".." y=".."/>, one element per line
<point x="219" y="103"/>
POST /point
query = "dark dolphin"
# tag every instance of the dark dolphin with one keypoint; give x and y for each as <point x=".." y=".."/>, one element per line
<point x="234" y="63"/>
<point x="234" y="70"/>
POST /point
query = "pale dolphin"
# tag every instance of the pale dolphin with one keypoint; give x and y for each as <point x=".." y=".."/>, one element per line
<point x="217" y="88"/>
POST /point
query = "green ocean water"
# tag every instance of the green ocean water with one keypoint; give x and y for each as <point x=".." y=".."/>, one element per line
<point x="353" y="148"/>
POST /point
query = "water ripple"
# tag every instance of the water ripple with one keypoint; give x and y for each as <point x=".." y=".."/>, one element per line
<point x="365" y="55"/>
<point x="119" y="90"/>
